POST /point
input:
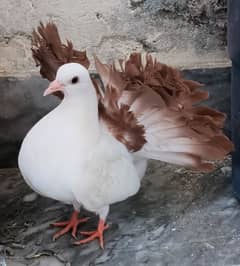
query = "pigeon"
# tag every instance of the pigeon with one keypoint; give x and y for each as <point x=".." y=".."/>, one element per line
<point x="71" y="157"/>
<point x="92" y="150"/>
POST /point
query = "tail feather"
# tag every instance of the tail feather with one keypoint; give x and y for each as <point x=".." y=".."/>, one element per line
<point x="50" y="53"/>
<point x="176" y="127"/>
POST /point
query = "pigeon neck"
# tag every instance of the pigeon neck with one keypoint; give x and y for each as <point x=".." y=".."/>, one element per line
<point x="83" y="108"/>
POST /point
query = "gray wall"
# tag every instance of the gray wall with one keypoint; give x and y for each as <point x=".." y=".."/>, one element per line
<point x="188" y="33"/>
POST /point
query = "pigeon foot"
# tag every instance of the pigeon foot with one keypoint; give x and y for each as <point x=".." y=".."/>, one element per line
<point x="94" y="234"/>
<point x="72" y="224"/>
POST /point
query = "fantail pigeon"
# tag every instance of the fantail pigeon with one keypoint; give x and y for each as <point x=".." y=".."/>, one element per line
<point x="92" y="149"/>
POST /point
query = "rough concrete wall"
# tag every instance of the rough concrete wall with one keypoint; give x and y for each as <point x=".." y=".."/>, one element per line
<point x="188" y="33"/>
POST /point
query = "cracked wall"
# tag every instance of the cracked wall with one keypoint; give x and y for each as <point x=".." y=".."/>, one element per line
<point x="183" y="33"/>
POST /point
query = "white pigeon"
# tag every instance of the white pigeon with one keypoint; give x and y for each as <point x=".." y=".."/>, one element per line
<point x="92" y="150"/>
<point x="71" y="157"/>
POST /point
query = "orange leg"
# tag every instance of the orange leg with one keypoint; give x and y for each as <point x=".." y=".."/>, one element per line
<point x="94" y="234"/>
<point x="72" y="224"/>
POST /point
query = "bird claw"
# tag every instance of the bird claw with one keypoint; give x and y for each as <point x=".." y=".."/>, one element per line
<point x="94" y="234"/>
<point x="72" y="224"/>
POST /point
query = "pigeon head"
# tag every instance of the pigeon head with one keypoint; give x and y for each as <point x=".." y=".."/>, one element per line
<point x="71" y="79"/>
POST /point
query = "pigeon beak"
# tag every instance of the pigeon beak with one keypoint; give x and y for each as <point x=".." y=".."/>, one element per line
<point x="53" y="87"/>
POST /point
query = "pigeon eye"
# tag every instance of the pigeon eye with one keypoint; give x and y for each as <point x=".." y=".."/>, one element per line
<point x="74" y="80"/>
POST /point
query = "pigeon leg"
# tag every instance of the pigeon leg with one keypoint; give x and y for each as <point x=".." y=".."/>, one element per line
<point x="72" y="224"/>
<point x="94" y="234"/>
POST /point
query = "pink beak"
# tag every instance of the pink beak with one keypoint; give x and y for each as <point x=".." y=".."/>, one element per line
<point x="53" y="87"/>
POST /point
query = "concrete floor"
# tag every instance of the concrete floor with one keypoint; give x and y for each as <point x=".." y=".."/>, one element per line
<point x="178" y="218"/>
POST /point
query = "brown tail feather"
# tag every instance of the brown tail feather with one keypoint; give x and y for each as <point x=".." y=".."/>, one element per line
<point x="163" y="104"/>
<point x="50" y="53"/>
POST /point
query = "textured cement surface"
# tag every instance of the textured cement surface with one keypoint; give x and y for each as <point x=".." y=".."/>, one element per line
<point x="22" y="105"/>
<point x="183" y="33"/>
<point x="178" y="218"/>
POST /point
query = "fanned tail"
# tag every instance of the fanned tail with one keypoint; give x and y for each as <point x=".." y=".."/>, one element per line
<point x="176" y="128"/>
